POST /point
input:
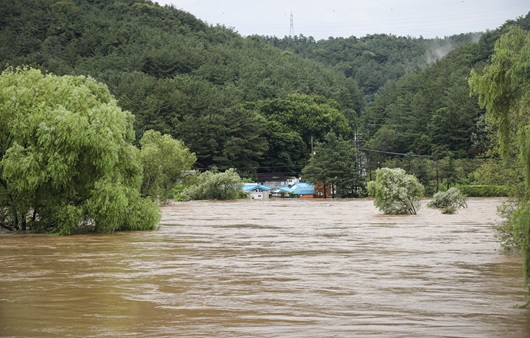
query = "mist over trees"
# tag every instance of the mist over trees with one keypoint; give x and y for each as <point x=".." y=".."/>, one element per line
<point x="373" y="60"/>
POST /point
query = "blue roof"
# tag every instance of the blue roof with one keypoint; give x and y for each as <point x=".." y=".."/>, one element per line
<point x="284" y="188"/>
<point x="300" y="188"/>
<point x="255" y="186"/>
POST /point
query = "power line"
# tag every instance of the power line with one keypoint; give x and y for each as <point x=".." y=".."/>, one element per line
<point x="392" y="153"/>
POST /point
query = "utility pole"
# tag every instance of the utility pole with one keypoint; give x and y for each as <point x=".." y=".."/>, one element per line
<point x="291" y="29"/>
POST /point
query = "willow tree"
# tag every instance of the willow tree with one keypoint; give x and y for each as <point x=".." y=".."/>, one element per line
<point x="165" y="162"/>
<point x="503" y="88"/>
<point x="66" y="157"/>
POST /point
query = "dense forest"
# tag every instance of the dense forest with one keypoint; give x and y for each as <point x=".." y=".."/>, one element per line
<point x="373" y="60"/>
<point x="259" y="104"/>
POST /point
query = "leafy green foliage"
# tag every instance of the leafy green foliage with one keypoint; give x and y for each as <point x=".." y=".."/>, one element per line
<point x="309" y="116"/>
<point x="396" y="192"/>
<point x="503" y="88"/>
<point x="164" y="161"/>
<point x="449" y="201"/>
<point x="494" y="171"/>
<point x="66" y="156"/>
<point x="514" y="235"/>
<point x="433" y="174"/>
<point x="485" y="190"/>
<point x="215" y="186"/>
<point x="231" y="137"/>
<point x="290" y="125"/>
<point x="334" y="164"/>
<point x="177" y="192"/>
<point x="429" y="111"/>
<point x="505" y="229"/>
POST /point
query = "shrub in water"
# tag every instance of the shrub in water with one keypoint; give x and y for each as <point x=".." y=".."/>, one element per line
<point x="449" y="201"/>
<point x="396" y="192"/>
<point x="215" y="186"/>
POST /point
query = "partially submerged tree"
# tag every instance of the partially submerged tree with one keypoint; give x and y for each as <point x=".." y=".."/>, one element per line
<point x="449" y="201"/>
<point x="215" y="186"/>
<point x="66" y="157"/>
<point x="165" y="162"/>
<point x="396" y="192"/>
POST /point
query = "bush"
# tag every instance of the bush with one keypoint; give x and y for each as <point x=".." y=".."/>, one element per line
<point x="177" y="193"/>
<point x="485" y="190"/>
<point x="395" y="192"/>
<point x="215" y="186"/>
<point x="449" y="201"/>
<point x="505" y="228"/>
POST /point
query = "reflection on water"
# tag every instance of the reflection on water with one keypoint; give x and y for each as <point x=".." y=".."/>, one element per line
<point x="281" y="268"/>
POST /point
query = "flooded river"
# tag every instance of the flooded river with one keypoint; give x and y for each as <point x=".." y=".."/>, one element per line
<point x="280" y="268"/>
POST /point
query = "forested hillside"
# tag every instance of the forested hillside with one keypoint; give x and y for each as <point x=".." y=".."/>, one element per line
<point x="176" y="74"/>
<point x="416" y="89"/>
<point x="373" y="60"/>
<point x="431" y="111"/>
<point x="256" y="103"/>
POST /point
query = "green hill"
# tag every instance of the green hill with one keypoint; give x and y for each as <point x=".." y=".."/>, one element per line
<point x="214" y="89"/>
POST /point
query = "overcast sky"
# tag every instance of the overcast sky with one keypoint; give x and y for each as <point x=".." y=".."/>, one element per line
<point x="322" y="19"/>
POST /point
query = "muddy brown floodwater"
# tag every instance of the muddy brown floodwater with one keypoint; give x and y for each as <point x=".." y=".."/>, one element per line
<point x="279" y="268"/>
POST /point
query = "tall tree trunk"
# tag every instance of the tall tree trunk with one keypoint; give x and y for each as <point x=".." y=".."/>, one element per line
<point x="15" y="212"/>
<point x="33" y="218"/>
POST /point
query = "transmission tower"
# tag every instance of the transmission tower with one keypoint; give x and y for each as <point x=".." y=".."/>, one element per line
<point x="291" y="30"/>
